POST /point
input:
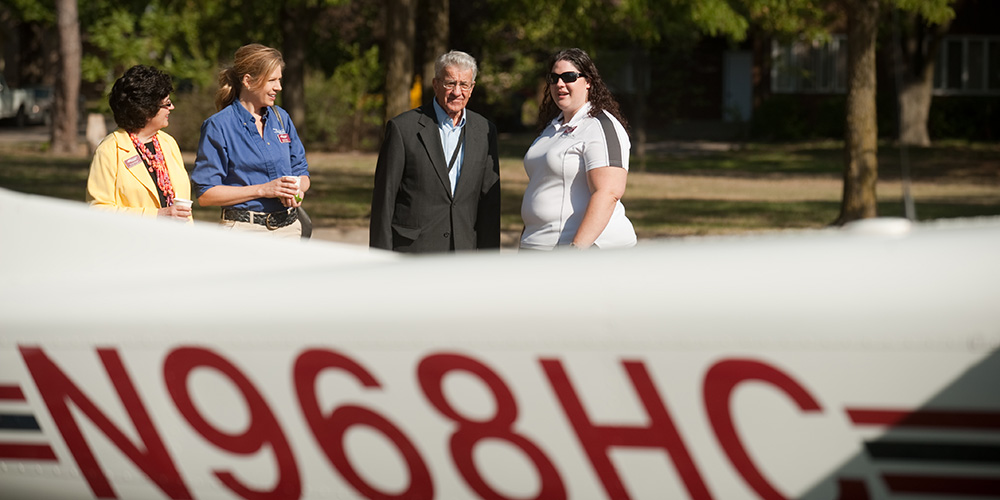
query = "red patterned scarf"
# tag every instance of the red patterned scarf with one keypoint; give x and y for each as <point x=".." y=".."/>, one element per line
<point x="157" y="164"/>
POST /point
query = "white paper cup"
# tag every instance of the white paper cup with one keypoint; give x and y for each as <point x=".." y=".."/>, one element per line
<point x="182" y="202"/>
<point x="298" y="182"/>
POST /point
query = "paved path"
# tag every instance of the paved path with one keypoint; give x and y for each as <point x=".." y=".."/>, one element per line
<point x="355" y="236"/>
<point x="34" y="133"/>
<point x="359" y="236"/>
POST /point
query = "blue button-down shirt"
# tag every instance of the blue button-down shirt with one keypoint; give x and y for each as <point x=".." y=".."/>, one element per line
<point x="449" y="141"/>
<point x="232" y="153"/>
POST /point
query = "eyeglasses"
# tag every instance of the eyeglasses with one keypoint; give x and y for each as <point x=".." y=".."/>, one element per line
<point x="568" y="77"/>
<point x="167" y="105"/>
<point x="465" y="86"/>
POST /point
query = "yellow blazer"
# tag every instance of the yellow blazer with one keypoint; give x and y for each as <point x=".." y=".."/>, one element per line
<point x="115" y="186"/>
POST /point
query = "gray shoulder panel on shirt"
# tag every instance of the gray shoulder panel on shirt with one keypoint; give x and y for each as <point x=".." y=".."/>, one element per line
<point x="615" y="156"/>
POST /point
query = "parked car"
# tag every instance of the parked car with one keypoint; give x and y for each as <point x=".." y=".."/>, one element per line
<point x="31" y="105"/>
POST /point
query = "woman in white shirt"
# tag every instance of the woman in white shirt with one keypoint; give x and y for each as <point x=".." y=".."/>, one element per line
<point x="577" y="168"/>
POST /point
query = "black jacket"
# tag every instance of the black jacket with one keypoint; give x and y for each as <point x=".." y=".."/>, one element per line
<point x="412" y="206"/>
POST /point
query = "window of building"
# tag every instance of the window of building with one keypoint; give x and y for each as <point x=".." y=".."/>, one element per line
<point x="810" y="67"/>
<point x="968" y="65"/>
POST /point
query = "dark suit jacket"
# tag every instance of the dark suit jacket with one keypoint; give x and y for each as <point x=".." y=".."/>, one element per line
<point x="412" y="206"/>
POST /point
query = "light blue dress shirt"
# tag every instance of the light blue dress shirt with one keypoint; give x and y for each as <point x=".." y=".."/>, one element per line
<point x="449" y="141"/>
<point x="232" y="153"/>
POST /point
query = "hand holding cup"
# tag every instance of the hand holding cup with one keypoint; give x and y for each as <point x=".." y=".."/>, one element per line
<point x="297" y="197"/>
<point x="181" y="209"/>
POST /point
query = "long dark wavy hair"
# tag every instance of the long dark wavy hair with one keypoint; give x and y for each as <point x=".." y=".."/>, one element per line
<point x="599" y="96"/>
<point x="136" y="97"/>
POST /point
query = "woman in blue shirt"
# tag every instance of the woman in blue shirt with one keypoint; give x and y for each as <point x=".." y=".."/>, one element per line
<point x="250" y="159"/>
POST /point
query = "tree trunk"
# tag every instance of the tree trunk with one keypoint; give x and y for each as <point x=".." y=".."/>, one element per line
<point x="861" y="131"/>
<point x="296" y="24"/>
<point x="67" y="90"/>
<point x="914" y="110"/>
<point x="435" y="33"/>
<point x="399" y="55"/>
<point x="916" y="57"/>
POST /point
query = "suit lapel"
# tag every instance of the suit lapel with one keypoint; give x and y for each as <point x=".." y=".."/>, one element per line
<point x="138" y="171"/>
<point x="431" y="139"/>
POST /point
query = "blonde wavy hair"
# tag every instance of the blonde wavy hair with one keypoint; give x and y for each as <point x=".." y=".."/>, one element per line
<point x="254" y="59"/>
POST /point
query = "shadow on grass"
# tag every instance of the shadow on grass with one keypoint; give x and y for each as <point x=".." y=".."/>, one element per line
<point x="510" y="209"/>
<point x="749" y="163"/>
<point x="930" y="211"/>
<point x="947" y="161"/>
<point x="827" y="158"/>
<point x="514" y="145"/>
<point x="59" y="177"/>
<point x="654" y="217"/>
<point x="342" y="197"/>
<point x="341" y="188"/>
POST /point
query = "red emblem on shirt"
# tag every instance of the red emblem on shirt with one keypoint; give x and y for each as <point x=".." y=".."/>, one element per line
<point x="284" y="138"/>
<point x="133" y="161"/>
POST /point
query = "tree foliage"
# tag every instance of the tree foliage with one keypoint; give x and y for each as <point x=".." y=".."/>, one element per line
<point x="42" y="11"/>
<point x="512" y="39"/>
<point x="186" y="38"/>
<point x="934" y="11"/>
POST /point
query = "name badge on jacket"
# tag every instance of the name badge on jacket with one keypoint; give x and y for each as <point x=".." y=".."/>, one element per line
<point x="285" y="138"/>
<point x="133" y="161"/>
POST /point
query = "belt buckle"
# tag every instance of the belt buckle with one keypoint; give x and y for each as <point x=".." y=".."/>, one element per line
<point x="267" y="222"/>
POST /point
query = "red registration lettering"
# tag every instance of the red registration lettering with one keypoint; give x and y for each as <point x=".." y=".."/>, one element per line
<point x="720" y="381"/>
<point x="431" y="373"/>
<point x="597" y="440"/>
<point x="262" y="430"/>
<point x="330" y="430"/>
<point x="150" y="455"/>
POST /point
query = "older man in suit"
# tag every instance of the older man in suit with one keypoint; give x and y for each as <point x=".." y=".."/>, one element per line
<point x="437" y="181"/>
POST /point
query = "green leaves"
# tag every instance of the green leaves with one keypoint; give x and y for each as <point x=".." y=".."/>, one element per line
<point x="40" y="11"/>
<point x="934" y="11"/>
<point x="719" y="18"/>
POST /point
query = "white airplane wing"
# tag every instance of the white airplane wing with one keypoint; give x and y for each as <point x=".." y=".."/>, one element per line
<point x="854" y="363"/>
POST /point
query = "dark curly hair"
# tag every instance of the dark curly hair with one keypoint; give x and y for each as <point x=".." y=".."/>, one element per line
<point x="136" y="96"/>
<point x="599" y="96"/>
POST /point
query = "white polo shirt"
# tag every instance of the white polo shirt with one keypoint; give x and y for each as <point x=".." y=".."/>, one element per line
<point x="557" y="195"/>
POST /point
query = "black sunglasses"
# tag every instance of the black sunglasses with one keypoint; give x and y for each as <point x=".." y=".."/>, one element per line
<point x="568" y="77"/>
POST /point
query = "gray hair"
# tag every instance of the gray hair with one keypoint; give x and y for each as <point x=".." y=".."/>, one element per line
<point x="457" y="59"/>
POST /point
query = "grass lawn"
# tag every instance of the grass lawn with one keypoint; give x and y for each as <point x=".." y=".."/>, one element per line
<point x="680" y="188"/>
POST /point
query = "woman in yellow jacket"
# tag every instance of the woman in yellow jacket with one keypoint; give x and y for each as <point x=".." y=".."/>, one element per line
<point x="138" y="168"/>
